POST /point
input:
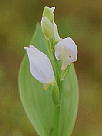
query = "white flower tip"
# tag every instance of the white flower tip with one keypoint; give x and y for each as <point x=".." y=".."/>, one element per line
<point x="25" y="48"/>
<point x="30" y="46"/>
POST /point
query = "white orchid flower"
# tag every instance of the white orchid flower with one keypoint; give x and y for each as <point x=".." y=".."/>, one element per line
<point x="66" y="50"/>
<point x="40" y="65"/>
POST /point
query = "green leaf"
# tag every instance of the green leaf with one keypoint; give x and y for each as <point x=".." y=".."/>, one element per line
<point x="39" y="41"/>
<point x="47" y="119"/>
<point x="37" y="102"/>
<point x="69" y="103"/>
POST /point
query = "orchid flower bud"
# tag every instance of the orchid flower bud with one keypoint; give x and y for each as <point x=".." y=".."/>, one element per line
<point x="47" y="28"/>
<point x="40" y="65"/>
<point x="66" y="50"/>
<point x="49" y="13"/>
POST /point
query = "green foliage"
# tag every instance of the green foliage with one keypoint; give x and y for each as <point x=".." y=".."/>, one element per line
<point x="69" y="103"/>
<point x="47" y="118"/>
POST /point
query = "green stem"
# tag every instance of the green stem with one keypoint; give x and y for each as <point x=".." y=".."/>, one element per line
<point x="55" y="89"/>
<point x="54" y="62"/>
<point x="63" y="73"/>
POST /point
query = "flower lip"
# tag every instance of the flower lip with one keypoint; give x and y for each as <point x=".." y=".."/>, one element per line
<point x="40" y="65"/>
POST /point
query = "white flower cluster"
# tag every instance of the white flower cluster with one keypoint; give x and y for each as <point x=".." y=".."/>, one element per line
<point x="64" y="50"/>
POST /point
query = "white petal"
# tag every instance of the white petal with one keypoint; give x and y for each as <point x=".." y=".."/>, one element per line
<point x="66" y="50"/>
<point x="40" y="65"/>
<point x="56" y="35"/>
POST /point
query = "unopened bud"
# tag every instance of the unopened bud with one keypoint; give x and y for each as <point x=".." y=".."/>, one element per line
<point x="49" y="13"/>
<point x="47" y="28"/>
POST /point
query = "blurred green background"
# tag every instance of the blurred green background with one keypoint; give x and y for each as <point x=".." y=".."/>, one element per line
<point x="81" y="20"/>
